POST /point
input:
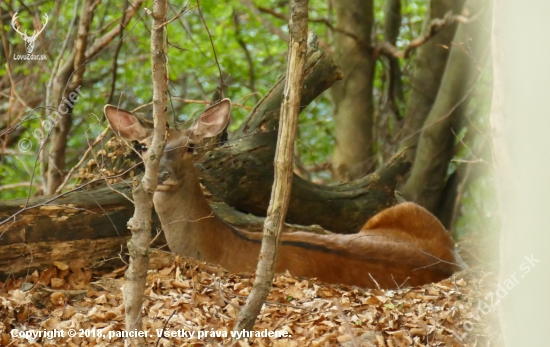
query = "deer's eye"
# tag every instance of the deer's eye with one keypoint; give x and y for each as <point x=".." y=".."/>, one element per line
<point x="141" y="147"/>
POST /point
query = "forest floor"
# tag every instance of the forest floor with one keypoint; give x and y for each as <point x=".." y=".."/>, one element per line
<point x="196" y="300"/>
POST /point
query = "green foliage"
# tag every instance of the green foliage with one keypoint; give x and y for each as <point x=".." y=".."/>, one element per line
<point x="193" y="75"/>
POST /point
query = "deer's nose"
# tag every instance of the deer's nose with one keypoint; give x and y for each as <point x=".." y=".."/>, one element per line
<point x="164" y="176"/>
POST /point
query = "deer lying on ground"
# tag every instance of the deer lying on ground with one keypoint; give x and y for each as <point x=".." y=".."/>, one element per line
<point x="402" y="245"/>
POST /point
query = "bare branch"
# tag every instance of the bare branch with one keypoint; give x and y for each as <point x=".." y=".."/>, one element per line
<point x="248" y="56"/>
<point x="117" y="51"/>
<point x="213" y="48"/>
<point x="16" y="185"/>
<point x="81" y="161"/>
<point x="272" y="28"/>
<point x="324" y="21"/>
<point x="179" y="14"/>
<point x="282" y="184"/>
<point x="103" y="41"/>
<point x="140" y="223"/>
<point x="436" y="25"/>
<point x="189" y="101"/>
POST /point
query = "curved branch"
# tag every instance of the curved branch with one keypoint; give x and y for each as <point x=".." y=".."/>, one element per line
<point x="435" y="26"/>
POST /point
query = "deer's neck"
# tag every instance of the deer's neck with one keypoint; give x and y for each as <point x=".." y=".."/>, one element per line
<point x="189" y="223"/>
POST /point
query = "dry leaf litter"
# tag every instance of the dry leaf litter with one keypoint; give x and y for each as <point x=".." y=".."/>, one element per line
<point x="184" y="295"/>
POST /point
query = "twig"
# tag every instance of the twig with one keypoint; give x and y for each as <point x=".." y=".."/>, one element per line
<point x="223" y="296"/>
<point x="164" y="327"/>
<point x="189" y="101"/>
<point x="12" y="82"/>
<point x="385" y="47"/>
<point x="324" y="21"/>
<point x="84" y="156"/>
<point x="180" y="13"/>
<point x="61" y="53"/>
<point x="117" y="51"/>
<point x="213" y="48"/>
<point x="140" y="223"/>
<point x="346" y="322"/>
<point x="240" y="41"/>
<point x="15" y="185"/>
<point x="278" y="205"/>
<point x="377" y="285"/>
<point x="272" y="28"/>
<point x="435" y="26"/>
<point x="103" y="41"/>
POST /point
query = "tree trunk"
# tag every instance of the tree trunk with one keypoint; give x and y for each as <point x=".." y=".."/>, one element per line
<point x="241" y="173"/>
<point x="429" y="66"/>
<point x="392" y="26"/>
<point x="63" y="89"/>
<point x="352" y="97"/>
<point x="144" y="188"/>
<point x="74" y="66"/>
<point x="435" y="146"/>
<point x="284" y="160"/>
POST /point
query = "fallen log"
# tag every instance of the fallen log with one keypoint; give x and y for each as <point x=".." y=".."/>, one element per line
<point x="240" y="173"/>
<point x="89" y="225"/>
<point x="92" y="223"/>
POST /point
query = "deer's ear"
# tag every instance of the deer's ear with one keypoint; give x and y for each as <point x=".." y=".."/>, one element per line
<point x="212" y="121"/>
<point x="125" y="124"/>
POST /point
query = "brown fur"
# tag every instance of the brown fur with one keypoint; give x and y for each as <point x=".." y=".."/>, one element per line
<point x="402" y="245"/>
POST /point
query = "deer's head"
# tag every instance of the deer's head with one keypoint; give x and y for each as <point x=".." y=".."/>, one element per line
<point x="177" y="161"/>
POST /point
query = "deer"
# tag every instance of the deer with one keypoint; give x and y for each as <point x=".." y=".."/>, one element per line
<point x="403" y="245"/>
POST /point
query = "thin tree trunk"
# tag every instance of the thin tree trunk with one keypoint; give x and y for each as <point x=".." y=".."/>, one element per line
<point x="392" y="26"/>
<point x="388" y="117"/>
<point x="429" y="66"/>
<point x="58" y="144"/>
<point x="435" y="146"/>
<point x="75" y="67"/>
<point x="352" y="97"/>
<point x="140" y="223"/>
<point x="284" y="160"/>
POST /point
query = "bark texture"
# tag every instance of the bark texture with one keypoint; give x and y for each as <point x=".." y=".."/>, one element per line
<point x="68" y="79"/>
<point x="73" y="70"/>
<point x="392" y="26"/>
<point x="284" y="160"/>
<point x="429" y="66"/>
<point x="241" y="172"/>
<point x="352" y="97"/>
<point x="140" y="223"/>
<point x="435" y="146"/>
<point x="86" y="225"/>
